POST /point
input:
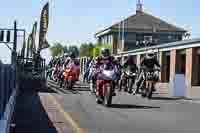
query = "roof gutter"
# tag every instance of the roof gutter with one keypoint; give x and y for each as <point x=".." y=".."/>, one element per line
<point x="166" y="47"/>
<point x="102" y="33"/>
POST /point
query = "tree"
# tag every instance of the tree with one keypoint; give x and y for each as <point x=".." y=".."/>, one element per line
<point x="74" y="49"/>
<point x="86" y="49"/>
<point x="56" y="49"/>
<point x="98" y="47"/>
<point x="65" y="49"/>
<point x="92" y="49"/>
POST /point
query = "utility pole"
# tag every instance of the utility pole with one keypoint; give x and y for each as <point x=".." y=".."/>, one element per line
<point x="119" y="34"/>
<point x="14" y="51"/>
<point x="123" y="36"/>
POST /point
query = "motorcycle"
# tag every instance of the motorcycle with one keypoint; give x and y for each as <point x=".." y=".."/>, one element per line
<point x="70" y="76"/>
<point x="104" y="87"/>
<point x="55" y="74"/>
<point x="150" y="77"/>
<point x="128" y="79"/>
<point x="48" y="73"/>
<point x="61" y="79"/>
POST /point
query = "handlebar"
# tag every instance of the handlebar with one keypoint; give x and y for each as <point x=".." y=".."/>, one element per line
<point x="149" y="69"/>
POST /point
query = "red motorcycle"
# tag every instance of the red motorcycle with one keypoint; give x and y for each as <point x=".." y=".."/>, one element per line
<point x="56" y="71"/>
<point x="70" y="76"/>
<point x="104" y="88"/>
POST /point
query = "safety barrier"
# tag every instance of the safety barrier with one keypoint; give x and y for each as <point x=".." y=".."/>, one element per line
<point x="8" y="94"/>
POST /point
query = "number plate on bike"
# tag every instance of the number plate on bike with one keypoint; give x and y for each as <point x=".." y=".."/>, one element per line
<point x="150" y="75"/>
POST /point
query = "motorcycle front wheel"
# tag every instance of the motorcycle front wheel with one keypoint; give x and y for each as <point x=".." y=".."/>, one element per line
<point x="108" y="96"/>
<point x="150" y="91"/>
<point x="65" y="84"/>
<point x="130" y="85"/>
<point x="70" y="84"/>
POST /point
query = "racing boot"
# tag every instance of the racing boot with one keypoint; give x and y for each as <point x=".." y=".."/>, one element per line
<point x="113" y="90"/>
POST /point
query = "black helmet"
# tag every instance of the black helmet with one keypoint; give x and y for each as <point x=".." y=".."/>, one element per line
<point x="105" y="52"/>
<point x="66" y="55"/>
<point x="131" y="59"/>
<point x="72" y="55"/>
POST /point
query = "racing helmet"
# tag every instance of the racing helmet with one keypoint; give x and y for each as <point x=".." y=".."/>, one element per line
<point x="72" y="55"/>
<point x="105" y="52"/>
<point x="150" y="53"/>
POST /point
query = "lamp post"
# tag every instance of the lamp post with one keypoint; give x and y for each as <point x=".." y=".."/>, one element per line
<point x="123" y="41"/>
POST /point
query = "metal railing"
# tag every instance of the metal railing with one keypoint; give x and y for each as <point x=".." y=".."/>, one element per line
<point x="8" y="86"/>
<point x="8" y="93"/>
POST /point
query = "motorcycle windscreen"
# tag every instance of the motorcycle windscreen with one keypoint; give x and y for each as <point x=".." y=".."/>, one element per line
<point x="107" y="67"/>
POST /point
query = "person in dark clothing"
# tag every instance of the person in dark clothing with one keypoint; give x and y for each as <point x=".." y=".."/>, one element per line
<point x="86" y="74"/>
<point x="104" y="58"/>
<point x="149" y="62"/>
<point x="129" y="64"/>
<point x="119" y="68"/>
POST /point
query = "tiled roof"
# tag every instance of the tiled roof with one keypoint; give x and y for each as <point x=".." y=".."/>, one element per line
<point x="146" y="21"/>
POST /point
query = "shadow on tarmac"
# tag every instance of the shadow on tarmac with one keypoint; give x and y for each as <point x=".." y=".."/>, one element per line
<point x="129" y="106"/>
<point x="78" y="87"/>
<point x="46" y="90"/>
<point x="30" y="116"/>
<point x="166" y="98"/>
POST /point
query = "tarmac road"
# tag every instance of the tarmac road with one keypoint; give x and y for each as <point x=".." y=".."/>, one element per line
<point x="129" y="114"/>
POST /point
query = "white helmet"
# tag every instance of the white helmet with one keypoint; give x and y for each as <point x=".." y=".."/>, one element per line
<point x="150" y="53"/>
<point x="66" y="54"/>
<point x="68" y="58"/>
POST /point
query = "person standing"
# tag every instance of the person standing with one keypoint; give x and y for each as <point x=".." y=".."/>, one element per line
<point x="87" y="69"/>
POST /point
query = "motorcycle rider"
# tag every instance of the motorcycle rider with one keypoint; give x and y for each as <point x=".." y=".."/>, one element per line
<point x="86" y="74"/>
<point x="129" y="63"/>
<point x="104" y="57"/>
<point x="119" y="68"/>
<point x="57" y="69"/>
<point x="71" y="60"/>
<point x="149" y="62"/>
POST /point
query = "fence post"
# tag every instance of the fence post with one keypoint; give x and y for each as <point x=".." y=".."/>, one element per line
<point x="1" y="90"/>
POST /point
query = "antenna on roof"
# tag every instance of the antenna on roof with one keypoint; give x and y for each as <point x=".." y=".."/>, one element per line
<point x="139" y="6"/>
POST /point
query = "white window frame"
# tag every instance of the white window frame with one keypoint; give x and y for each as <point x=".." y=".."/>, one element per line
<point x="150" y="38"/>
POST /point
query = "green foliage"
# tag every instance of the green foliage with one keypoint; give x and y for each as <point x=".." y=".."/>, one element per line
<point x="86" y="49"/>
<point x="56" y="49"/>
<point x="98" y="47"/>
<point x="74" y="49"/>
<point x="92" y="49"/>
<point x="65" y="49"/>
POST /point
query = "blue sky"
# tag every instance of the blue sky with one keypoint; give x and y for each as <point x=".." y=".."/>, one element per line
<point x="76" y="21"/>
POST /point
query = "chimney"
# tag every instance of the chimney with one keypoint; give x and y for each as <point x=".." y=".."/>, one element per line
<point x="139" y="7"/>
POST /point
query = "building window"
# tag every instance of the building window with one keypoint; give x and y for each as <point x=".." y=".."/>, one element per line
<point x="170" y="37"/>
<point x="110" y="39"/>
<point x="100" y="40"/>
<point x="148" y="38"/>
<point x="178" y="37"/>
<point x="103" y="40"/>
<point x="106" y="39"/>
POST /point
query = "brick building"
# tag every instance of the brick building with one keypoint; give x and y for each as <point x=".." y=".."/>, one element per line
<point x="180" y="63"/>
<point x="138" y="28"/>
<point x="180" y="59"/>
